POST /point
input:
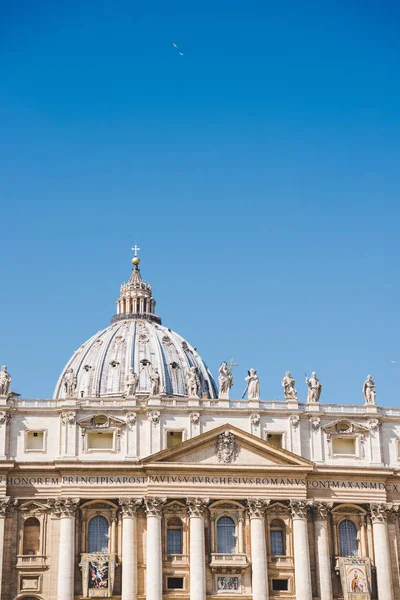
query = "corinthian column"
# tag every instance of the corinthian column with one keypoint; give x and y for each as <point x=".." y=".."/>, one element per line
<point x="65" y="509"/>
<point x="379" y="516"/>
<point x="323" y="552"/>
<point x="256" y="509"/>
<point x="197" y="553"/>
<point x="302" y="572"/>
<point x="129" y="508"/>
<point x="154" y="508"/>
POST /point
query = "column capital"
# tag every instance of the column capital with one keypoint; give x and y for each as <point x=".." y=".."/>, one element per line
<point x="63" y="507"/>
<point x="299" y="508"/>
<point x="256" y="507"/>
<point x="197" y="506"/>
<point x="129" y="506"/>
<point x="7" y="506"/>
<point x="322" y="510"/>
<point x="154" y="506"/>
<point x="380" y="512"/>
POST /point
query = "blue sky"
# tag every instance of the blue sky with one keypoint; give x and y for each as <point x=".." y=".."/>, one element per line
<point x="258" y="173"/>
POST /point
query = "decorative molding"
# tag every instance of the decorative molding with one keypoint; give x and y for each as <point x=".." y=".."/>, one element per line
<point x="197" y="507"/>
<point x="294" y="421"/>
<point x="131" y="418"/>
<point x="315" y="423"/>
<point x="256" y="507"/>
<point x="374" y="425"/>
<point x="344" y="427"/>
<point x="255" y="419"/>
<point x="129" y="506"/>
<point x="63" y="507"/>
<point x="154" y="416"/>
<point x="68" y="417"/>
<point x="322" y="510"/>
<point x="195" y="418"/>
<point x="299" y="508"/>
<point x="154" y="506"/>
<point x="100" y="421"/>
<point x="226" y="448"/>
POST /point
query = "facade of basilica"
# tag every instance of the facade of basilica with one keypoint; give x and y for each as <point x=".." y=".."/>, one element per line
<point x="141" y="479"/>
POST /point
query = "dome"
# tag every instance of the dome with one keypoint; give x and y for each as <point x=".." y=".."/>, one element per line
<point x="136" y="340"/>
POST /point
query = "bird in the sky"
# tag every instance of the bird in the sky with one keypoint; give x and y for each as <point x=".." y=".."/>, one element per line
<point x="393" y="361"/>
<point x="174" y="45"/>
<point x="180" y="53"/>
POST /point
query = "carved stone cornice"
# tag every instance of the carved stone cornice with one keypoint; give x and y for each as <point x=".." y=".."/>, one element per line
<point x="129" y="506"/>
<point x="197" y="507"/>
<point x="322" y="510"/>
<point x="154" y="506"/>
<point x="63" y="507"/>
<point x="380" y="512"/>
<point x="299" y="508"/>
<point x="256" y="507"/>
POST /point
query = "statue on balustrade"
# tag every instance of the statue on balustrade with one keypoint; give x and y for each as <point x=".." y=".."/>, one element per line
<point x="192" y="383"/>
<point x="131" y="383"/>
<point x="70" y="383"/>
<point x="288" y="384"/>
<point x="314" y="388"/>
<point x="253" y="385"/>
<point x="225" y="380"/>
<point x="369" y="390"/>
<point x="5" y="380"/>
<point x="154" y="382"/>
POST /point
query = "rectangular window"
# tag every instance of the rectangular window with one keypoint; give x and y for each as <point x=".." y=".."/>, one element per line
<point x="100" y="440"/>
<point x="277" y="543"/>
<point x="174" y="438"/>
<point x="344" y="445"/>
<point x="275" y="439"/>
<point x="175" y="583"/>
<point x="34" y="441"/>
<point x="174" y="541"/>
<point x="280" y="585"/>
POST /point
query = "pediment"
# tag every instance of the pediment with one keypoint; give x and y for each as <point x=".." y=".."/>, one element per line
<point x="100" y="421"/>
<point x="228" y="446"/>
<point x="345" y="427"/>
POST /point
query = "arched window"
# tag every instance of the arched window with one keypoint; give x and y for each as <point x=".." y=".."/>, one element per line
<point x="31" y="540"/>
<point x="348" y="538"/>
<point x="226" y="539"/>
<point x="277" y="537"/>
<point x="174" y="536"/>
<point x="98" y="534"/>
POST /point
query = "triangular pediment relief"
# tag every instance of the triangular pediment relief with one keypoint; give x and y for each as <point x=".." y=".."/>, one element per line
<point x="345" y="427"/>
<point x="100" y="421"/>
<point x="229" y="446"/>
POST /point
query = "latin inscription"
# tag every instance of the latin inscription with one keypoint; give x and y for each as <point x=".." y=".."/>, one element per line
<point x="116" y="480"/>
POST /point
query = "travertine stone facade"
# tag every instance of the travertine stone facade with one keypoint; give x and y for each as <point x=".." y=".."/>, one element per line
<point x="126" y="494"/>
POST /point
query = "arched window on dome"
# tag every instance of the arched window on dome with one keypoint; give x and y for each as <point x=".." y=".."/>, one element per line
<point x="277" y="532"/>
<point x="348" y="538"/>
<point x="31" y="537"/>
<point x="226" y="536"/>
<point x="98" y="534"/>
<point x="174" y="536"/>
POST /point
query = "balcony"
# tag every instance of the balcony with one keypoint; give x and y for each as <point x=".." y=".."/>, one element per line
<point x="175" y="559"/>
<point x="231" y="561"/>
<point x="31" y="561"/>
